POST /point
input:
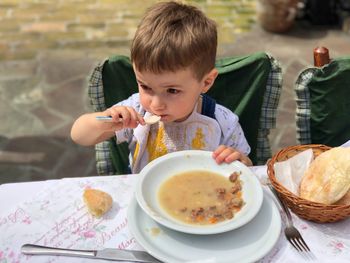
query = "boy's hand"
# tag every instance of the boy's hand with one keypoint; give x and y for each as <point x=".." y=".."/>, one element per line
<point x="87" y="131"/>
<point x="124" y="117"/>
<point x="228" y="155"/>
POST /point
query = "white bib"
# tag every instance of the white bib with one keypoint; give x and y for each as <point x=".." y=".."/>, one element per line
<point x="197" y="132"/>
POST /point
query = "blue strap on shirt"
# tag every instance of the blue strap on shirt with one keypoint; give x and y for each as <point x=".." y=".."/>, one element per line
<point x="208" y="106"/>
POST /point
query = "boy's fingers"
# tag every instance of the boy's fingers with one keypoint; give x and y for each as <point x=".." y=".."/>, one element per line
<point x="246" y="161"/>
<point x="131" y="118"/>
<point x="219" y="150"/>
<point x="222" y="155"/>
<point x="233" y="157"/>
<point x="115" y="113"/>
<point x="138" y="118"/>
<point x="130" y="121"/>
<point x="126" y="116"/>
<point x="141" y="120"/>
<point x="228" y="155"/>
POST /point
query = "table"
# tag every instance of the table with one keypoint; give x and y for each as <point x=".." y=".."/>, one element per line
<point x="52" y="213"/>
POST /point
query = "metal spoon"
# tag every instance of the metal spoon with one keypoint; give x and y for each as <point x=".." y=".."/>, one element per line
<point x="152" y="119"/>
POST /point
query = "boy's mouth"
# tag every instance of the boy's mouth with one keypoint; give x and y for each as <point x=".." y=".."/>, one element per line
<point x="164" y="117"/>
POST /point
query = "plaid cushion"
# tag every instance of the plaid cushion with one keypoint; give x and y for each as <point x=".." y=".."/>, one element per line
<point x="269" y="111"/>
<point x="96" y="95"/>
<point x="267" y="119"/>
<point x="104" y="163"/>
<point x="303" y="111"/>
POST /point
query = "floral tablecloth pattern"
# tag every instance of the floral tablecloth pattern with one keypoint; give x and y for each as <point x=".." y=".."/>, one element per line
<point x="57" y="216"/>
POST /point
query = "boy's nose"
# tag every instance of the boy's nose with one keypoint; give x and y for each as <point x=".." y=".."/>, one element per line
<point x="157" y="103"/>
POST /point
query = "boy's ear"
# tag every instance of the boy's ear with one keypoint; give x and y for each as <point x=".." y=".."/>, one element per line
<point x="209" y="79"/>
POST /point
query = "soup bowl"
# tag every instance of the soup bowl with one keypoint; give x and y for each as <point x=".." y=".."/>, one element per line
<point x="154" y="174"/>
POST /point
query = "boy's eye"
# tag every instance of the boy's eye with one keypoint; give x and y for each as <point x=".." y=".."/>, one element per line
<point x="144" y="87"/>
<point x="173" y="91"/>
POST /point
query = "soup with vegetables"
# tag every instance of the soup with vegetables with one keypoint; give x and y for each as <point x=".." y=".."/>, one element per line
<point x="201" y="197"/>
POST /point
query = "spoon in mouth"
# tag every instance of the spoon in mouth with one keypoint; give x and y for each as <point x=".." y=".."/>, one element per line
<point x="152" y="119"/>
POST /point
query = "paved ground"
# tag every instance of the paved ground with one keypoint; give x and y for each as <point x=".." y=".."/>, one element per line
<point x="48" y="48"/>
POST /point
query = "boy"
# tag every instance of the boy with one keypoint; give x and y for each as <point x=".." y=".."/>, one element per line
<point x="173" y="55"/>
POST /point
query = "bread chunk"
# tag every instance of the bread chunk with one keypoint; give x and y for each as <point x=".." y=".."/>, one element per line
<point x="327" y="179"/>
<point x="97" y="202"/>
<point x="345" y="200"/>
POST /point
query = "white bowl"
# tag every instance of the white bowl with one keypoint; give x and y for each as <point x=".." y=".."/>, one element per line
<point x="159" y="170"/>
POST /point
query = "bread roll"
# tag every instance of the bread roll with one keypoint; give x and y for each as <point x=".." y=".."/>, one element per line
<point x="327" y="179"/>
<point x="97" y="202"/>
<point x="345" y="200"/>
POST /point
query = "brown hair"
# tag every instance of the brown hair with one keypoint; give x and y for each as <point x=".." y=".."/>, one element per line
<point x="173" y="36"/>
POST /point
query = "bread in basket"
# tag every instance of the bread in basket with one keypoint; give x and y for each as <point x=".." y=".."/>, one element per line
<point x="305" y="209"/>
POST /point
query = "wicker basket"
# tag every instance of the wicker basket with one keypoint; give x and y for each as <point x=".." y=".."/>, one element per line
<point x="305" y="209"/>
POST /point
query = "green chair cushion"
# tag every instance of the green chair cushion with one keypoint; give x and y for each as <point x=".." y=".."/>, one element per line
<point x="240" y="86"/>
<point x="324" y="104"/>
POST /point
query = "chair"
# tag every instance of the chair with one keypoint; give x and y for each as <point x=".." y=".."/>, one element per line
<point x="323" y="105"/>
<point x="248" y="85"/>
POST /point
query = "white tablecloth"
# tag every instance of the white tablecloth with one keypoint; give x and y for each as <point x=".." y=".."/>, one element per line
<point x="52" y="213"/>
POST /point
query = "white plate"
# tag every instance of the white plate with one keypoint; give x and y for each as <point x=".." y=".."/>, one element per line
<point x="246" y="244"/>
<point x="159" y="170"/>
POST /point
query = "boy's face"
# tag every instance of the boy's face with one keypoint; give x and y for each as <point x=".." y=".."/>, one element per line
<point x="172" y="95"/>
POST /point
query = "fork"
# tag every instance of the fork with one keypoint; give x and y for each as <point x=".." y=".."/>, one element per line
<point x="292" y="234"/>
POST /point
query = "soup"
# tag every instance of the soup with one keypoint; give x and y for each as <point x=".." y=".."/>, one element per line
<point x="201" y="197"/>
